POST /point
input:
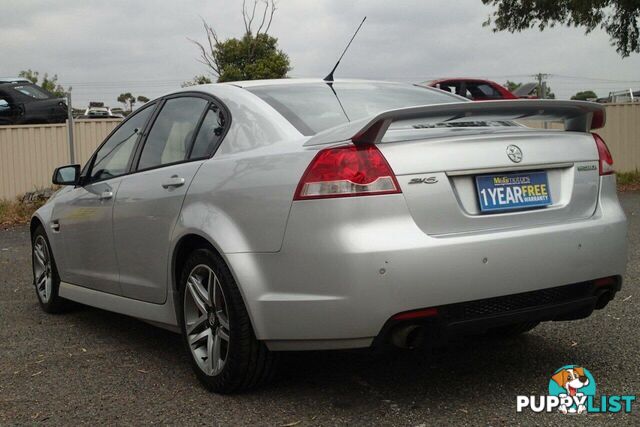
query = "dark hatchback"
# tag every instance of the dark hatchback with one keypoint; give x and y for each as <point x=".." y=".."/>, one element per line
<point x="22" y="102"/>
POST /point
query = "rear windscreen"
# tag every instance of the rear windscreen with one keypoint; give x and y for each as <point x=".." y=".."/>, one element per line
<point x="314" y="107"/>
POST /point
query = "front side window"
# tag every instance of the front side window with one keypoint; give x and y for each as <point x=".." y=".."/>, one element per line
<point x="172" y="133"/>
<point x="113" y="157"/>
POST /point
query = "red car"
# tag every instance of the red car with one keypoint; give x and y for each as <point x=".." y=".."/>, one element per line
<point x="474" y="89"/>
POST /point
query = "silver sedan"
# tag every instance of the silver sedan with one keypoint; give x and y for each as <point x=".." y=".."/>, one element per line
<point x="256" y="217"/>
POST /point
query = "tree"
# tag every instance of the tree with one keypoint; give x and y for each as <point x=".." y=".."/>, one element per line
<point x="127" y="100"/>
<point x="511" y="86"/>
<point x="50" y="84"/>
<point x="197" y="80"/>
<point x="548" y="93"/>
<point x="619" y="18"/>
<point x="254" y="56"/>
<point x="585" y="95"/>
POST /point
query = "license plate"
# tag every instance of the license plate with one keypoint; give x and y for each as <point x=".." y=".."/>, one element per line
<point x="503" y="192"/>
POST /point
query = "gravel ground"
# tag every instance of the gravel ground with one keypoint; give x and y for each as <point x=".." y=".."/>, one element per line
<point x="91" y="366"/>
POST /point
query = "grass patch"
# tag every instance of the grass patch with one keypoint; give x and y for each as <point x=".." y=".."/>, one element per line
<point x="628" y="181"/>
<point x="16" y="212"/>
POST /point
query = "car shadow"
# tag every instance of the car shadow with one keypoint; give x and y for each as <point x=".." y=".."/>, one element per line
<point x="352" y="378"/>
<point x="476" y="362"/>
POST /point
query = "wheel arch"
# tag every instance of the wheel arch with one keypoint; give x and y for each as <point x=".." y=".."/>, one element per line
<point x="35" y="223"/>
<point x="185" y="245"/>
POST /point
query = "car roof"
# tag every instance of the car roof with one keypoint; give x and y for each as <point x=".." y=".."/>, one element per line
<point x="14" y="80"/>
<point x="294" y="81"/>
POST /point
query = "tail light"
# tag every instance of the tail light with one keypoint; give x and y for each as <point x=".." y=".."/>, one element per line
<point x="346" y="171"/>
<point x="604" y="156"/>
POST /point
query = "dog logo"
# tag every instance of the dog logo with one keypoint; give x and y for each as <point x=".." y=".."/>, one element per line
<point x="573" y="382"/>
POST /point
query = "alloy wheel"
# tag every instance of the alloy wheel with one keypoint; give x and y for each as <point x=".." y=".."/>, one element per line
<point x="42" y="270"/>
<point x="206" y="320"/>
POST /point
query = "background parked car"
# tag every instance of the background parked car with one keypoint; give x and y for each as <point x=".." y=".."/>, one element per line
<point x="22" y="102"/>
<point x="474" y="89"/>
<point x="623" y="96"/>
<point x="97" y="110"/>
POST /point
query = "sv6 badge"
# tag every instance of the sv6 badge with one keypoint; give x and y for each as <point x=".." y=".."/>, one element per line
<point x="429" y="180"/>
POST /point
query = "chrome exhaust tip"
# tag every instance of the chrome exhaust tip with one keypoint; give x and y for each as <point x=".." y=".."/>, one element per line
<point x="408" y="336"/>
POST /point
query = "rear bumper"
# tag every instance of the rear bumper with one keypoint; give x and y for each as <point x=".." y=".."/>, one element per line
<point x="569" y="302"/>
<point x="347" y="267"/>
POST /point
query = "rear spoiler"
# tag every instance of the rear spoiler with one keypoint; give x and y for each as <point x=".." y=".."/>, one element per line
<point x="578" y="116"/>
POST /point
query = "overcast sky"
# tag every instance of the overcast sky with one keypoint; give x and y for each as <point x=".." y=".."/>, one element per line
<point x="104" y="48"/>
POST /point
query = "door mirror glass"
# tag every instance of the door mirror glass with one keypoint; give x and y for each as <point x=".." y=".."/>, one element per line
<point x="66" y="175"/>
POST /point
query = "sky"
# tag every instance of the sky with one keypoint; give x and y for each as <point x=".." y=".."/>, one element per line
<point x="104" y="48"/>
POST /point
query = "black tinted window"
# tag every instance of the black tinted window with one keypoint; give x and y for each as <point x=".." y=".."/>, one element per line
<point x="314" y="107"/>
<point x="113" y="157"/>
<point x="450" y="87"/>
<point x="32" y="91"/>
<point x="482" y="91"/>
<point x="172" y="132"/>
<point x="209" y="135"/>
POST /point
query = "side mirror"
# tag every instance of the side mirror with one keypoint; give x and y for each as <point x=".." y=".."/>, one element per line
<point x="66" y="175"/>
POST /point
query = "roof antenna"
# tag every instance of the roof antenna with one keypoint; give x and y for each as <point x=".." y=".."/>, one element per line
<point x="329" y="78"/>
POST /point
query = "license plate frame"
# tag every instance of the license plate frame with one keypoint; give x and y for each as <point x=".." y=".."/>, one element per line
<point x="500" y="192"/>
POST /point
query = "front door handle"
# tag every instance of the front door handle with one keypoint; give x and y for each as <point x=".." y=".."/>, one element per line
<point x="106" y="194"/>
<point x="174" y="181"/>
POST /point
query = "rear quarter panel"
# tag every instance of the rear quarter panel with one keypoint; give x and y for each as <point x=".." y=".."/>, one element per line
<point x="240" y="199"/>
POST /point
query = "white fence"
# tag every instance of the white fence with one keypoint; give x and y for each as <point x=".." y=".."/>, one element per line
<point x="28" y="154"/>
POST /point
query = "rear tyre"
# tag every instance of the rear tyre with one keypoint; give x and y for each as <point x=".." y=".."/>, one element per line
<point x="45" y="274"/>
<point x="513" y="330"/>
<point x="216" y="329"/>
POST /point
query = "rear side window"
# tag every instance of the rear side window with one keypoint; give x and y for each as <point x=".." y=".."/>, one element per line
<point x="210" y="134"/>
<point x="172" y="133"/>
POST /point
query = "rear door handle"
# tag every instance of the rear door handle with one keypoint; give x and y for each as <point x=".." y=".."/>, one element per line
<point x="106" y="195"/>
<point x="174" y="181"/>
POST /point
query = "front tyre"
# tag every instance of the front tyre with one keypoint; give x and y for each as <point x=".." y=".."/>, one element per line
<point x="216" y="329"/>
<point x="45" y="273"/>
